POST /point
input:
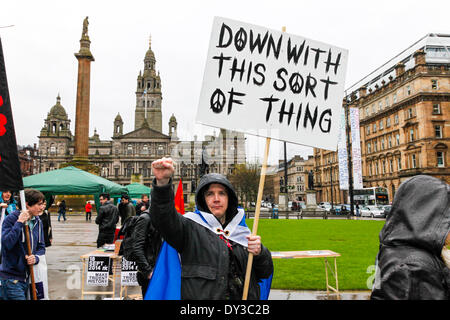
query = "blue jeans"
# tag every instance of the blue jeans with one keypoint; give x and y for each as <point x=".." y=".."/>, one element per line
<point x="63" y="214"/>
<point x="13" y="289"/>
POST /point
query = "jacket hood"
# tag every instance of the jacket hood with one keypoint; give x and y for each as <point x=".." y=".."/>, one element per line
<point x="420" y="215"/>
<point x="205" y="181"/>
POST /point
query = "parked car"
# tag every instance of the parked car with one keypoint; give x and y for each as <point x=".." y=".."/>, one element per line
<point x="325" y="205"/>
<point x="387" y="210"/>
<point x="372" y="211"/>
<point x="297" y="205"/>
<point x="341" y="209"/>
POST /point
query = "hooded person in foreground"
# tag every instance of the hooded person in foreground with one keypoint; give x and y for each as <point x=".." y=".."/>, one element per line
<point x="213" y="243"/>
<point x="413" y="260"/>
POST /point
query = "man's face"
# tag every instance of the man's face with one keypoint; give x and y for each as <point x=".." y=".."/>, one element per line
<point x="103" y="200"/>
<point x="125" y="200"/>
<point x="36" y="209"/>
<point x="6" y="195"/>
<point x="145" y="198"/>
<point x="216" y="198"/>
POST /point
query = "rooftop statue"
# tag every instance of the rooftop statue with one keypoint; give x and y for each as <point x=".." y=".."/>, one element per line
<point x="85" y="27"/>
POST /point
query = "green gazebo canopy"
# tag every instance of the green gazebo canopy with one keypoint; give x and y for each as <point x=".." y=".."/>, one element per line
<point x="73" y="181"/>
<point x="136" y="190"/>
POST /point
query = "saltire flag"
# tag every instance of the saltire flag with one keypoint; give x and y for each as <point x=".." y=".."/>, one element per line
<point x="10" y="173"/>
<point x="179" y="198"/>
<point x="165" y="283"/>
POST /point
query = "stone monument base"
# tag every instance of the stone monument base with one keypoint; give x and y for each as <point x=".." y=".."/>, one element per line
<point x="311" y="206"/>
<point x="282" y="202"/>
<point x="83" y="164"/>
<point x="311" y="202"/>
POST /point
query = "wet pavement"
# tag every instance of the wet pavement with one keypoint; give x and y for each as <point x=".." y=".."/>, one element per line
<point x="76" y="237"/>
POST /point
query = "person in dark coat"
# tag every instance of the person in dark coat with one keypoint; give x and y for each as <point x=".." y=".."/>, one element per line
<point x="411" y="259"/>
<point x="62" y="210"/>
<point x="143" y="204"/>
<point x="147" y="244"/>
<point x="126" y="209"/>
<point x="107" y="218"/>
<point x="47" y="225"/>
<point x="213" y="265"/>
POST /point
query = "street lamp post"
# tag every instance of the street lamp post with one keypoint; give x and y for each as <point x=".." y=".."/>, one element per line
<point x="349" y="158"/>
<point x="331" y="182"/>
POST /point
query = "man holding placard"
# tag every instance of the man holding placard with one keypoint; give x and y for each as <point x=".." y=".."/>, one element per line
<point x="213" y="242"/>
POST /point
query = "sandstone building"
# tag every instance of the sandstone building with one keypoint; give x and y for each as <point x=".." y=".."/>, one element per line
<point x="404" y="109"/>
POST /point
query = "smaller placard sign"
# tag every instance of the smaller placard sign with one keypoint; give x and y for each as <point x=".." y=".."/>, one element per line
<point x="98" y="271"/>
<point x="128" y="275"/>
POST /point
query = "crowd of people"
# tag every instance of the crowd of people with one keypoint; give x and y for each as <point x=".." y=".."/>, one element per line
<point x="213" y="244"/>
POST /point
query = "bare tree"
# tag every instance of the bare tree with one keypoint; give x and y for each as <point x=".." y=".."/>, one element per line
<point x="245" y="179"/>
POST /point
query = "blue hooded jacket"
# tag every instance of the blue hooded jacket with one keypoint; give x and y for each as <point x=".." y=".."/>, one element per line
<point x="14" y="247"/>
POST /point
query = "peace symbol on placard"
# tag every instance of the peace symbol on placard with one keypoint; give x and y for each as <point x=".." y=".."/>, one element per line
<point x="295" y="81"/>
<point x="217" y="101"/>
<point x="240" y="39"/>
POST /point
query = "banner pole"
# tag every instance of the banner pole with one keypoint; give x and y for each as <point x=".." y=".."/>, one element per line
<point x="30" y="252"/>
<point x="256" y="219"/>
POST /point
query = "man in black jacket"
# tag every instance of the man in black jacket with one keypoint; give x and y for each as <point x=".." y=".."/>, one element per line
<point x="126" y="209"/>
<point x="143" y="205"/>
<point x="146" y="247"/>
<point x="411" y="262"/>
<point x="107" y="218"/>
<point x="213" y="265"/>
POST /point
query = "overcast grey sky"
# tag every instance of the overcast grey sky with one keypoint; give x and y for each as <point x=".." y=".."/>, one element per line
<point x="40" y="62"/>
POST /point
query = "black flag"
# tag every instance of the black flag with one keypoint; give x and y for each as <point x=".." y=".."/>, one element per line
<point x="10" y="173"/>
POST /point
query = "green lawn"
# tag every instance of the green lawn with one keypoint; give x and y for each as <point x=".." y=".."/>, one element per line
<point x="356" y="241"/>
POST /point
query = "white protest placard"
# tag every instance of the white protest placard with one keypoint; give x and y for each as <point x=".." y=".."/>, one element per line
<point x="283" y="86"/>
<point x="98" y="271"/>
<point x="128" y="275"/>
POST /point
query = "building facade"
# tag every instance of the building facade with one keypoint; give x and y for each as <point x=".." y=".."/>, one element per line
<point x="404" y="113"/>
<point x="297" y="175"/>
<point x="128" y="156"/>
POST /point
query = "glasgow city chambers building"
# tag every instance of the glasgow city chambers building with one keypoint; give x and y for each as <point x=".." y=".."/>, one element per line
<point x="128" y="155"/>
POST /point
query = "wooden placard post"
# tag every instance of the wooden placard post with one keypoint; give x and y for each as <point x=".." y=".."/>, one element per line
<point x="29" y="250"/>
<point x="256" y="219"/>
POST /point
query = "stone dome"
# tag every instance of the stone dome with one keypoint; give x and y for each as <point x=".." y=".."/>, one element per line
<point x="58" y="110"/>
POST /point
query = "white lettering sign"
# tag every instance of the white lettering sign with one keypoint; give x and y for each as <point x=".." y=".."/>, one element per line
<point x="128" y="275"/>
<point x="98" y="271"/>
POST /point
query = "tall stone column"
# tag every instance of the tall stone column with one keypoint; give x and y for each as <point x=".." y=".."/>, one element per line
<point x="84" y="57"/>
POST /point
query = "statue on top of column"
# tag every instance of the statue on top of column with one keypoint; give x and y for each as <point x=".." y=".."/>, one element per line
<point x="85" y="28"/>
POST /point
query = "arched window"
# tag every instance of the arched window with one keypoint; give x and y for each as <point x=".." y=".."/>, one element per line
<point x="104" y="171"/>
<point x="145" y="149"/>
<point x="145" y="171"/>
<point x="52" y="149"/>
<point x="129" y="169"/>
<point x="129" y="149"/>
